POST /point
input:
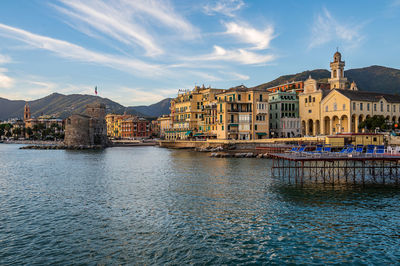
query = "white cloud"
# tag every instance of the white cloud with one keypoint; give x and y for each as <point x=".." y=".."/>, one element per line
<point x="71" y="51"/>
<point x="327" y="29"/>
<point x="235" y="76"/>
<point x="6" y="82"/>
<point x="226" y="7"/>
<point x="236" y="55"/>
<point x="126" y="21"/>
<point x="4" y="59"/>
<point x="135" y="96"/>
<point x="247" y="34"/>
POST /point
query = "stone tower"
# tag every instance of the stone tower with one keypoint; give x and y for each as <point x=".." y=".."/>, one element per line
<point x="337" y="80"/>
<point x="96" y="110"/>
<point x="87" y="130"/>
<point x="27" y="112"/>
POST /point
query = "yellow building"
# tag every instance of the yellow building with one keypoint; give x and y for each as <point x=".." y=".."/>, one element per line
<point x="343" y="107"/>
<point x="165" y="124"/>
<point x="242" y="113"/>
<point x="114" y="125"/>
<point x="188" y="112"/>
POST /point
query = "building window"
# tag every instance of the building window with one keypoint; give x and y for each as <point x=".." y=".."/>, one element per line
<point x="255" y="127"/>
<point x="220" y="118"/>
<point x="388" y="108"/>
<point x="249" y="97"/>
<point x="313" y="99"/>
<point x="222" y="127"/>
<point x="305" y="100"/>
<point x="354" y="106"/>
<point x="344" y="107"/>
<point x="367" y="106"/>
<point x="309" y="111"/>
<point x="334" y="107"/>
<point x="239" y="97"/>
<point x="381" y="106"/>
<point x="326" y="108"/>
<point x="309" y="98"/>
<point x="394" y="108"/>
<point x="361" y="106"/>
<point x="375" y="107"/>
<point x="260" y="97"/>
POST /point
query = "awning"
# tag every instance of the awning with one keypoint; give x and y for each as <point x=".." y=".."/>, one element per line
<point x="234" y="125"/>
<point x="188" y="133"/>
<point x="198" y="134"/>
<point x="261" y="133"/>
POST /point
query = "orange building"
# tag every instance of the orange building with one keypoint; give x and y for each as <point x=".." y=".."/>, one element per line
<point x="135" y="127"/>
<point x="294" y="85"/>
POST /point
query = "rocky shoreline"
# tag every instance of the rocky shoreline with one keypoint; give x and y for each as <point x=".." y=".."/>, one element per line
<point x="61" y="147"/>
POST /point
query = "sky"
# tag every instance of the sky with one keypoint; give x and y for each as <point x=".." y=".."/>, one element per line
<point x="140" y="52"/>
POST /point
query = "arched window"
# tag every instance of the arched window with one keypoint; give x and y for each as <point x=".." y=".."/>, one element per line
<point x="326" y="108"/>
<point x="334" y="107"/>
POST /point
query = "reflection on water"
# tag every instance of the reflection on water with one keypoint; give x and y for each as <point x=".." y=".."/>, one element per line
<point x="150" y="205"/>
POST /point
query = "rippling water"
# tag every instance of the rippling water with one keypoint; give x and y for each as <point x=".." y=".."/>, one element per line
<point x="147" y="205"/>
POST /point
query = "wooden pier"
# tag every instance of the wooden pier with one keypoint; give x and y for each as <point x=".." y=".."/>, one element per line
<point x="335" y="169"/>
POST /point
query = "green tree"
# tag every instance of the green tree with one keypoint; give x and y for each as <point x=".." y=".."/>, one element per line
<point x="29" y="131"/>
<point x="16" y="132"/>
<point x="376" y="121"/>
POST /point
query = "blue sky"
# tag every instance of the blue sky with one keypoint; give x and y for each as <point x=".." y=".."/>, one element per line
<point x="139" y="52"/>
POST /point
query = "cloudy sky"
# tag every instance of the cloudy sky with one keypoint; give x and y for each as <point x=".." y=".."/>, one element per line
<point x="139" y="52"/>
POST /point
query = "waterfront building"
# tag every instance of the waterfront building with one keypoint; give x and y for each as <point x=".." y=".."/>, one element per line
<point x="187" y="112"/>
<point x="135" y="127"/>
<point x="284" y="114"/>
<point x="114" y="125"/>
<point x="43" y="121"/>
<point x="343" y="107"/>
<point x="164" y="124"/>
<point x="242" y="114"/>
<point x="127" y="126"/>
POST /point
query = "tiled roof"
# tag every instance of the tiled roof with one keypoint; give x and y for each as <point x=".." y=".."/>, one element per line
<point x="369" y="96"/>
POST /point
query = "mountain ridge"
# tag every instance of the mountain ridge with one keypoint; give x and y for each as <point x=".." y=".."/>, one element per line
<point x="62" y="106"/>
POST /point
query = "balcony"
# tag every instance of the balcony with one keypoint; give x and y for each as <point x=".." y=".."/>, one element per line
<point x="261" y="108"/>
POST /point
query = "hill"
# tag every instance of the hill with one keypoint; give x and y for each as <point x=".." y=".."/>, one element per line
<point x="62" y="106"/>
<point x="373" y="78"/>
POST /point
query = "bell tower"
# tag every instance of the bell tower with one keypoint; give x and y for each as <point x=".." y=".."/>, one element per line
<point x="27" y="112"/>
<point x="337" y="80"/>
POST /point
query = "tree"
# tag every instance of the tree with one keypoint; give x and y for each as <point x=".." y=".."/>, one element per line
<point x="29" y="131"/>
<point x="371" y="123"/>
<point x="16" y="132"/>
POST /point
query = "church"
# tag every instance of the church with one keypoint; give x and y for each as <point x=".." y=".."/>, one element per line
<point x="341" y="107"/>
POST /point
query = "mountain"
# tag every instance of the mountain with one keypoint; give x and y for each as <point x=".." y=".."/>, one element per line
<point x="62" y="106"/>
<point x="373" y="78"/>
<point x="157" y="109"/>
<point x="376" y="79"/>
<point x="317" y="74"/>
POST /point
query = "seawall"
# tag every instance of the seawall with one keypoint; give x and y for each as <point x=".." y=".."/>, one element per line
<point x="236" y="144"/>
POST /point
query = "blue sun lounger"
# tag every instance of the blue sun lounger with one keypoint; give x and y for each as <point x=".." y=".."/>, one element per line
<point x="380" y="150"/>
<point x="370" y="150"/>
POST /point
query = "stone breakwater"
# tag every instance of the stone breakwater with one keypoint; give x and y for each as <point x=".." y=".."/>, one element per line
<point x="61" y="147"/>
